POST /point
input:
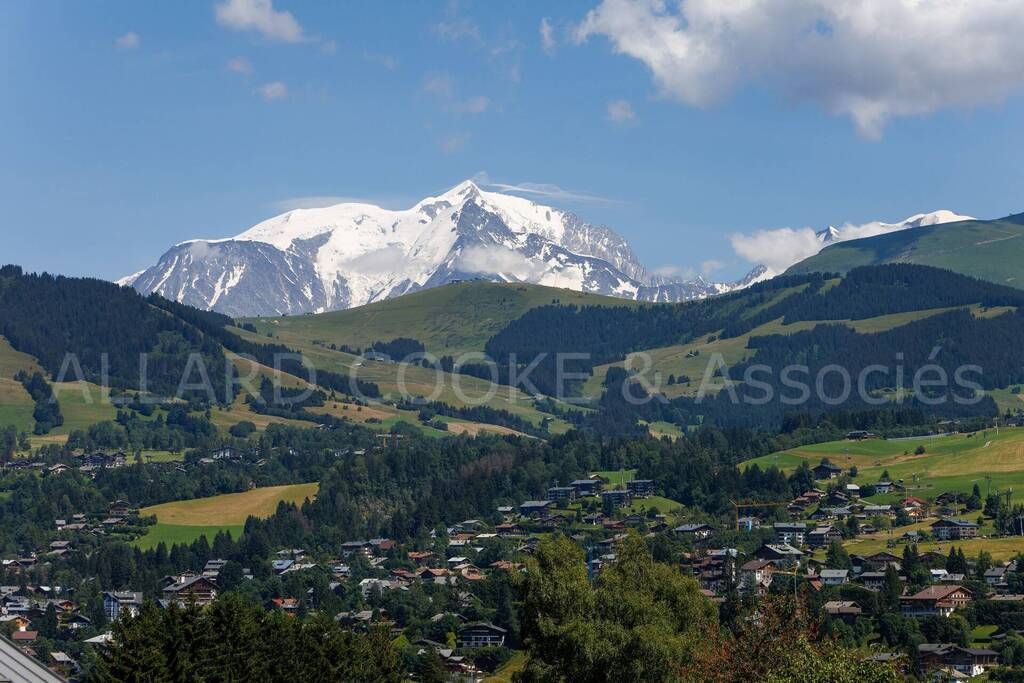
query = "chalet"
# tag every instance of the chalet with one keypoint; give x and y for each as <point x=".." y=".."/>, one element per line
<point x="823" y="536"/>
<point x="968" y="661"/>
<point x="853" y="490"/>
<point x="847" y="610"/>
<point x="281" y="566"/>
<point x="119" y="508"/>
<point x="640" y="488"/>
<point x="748" y="523"/>
<point x="935" y="601"/>
<point x="349" y="548"/>
<point x="118" y="603"/>
<point x="535" y="508"/>
<point x="790" y="533"/>
<point x="698" y="530"/>
<point x="883" y="485"/>
<point x="954" y="529"/>
<point x="616" y="498"/>
<point x="882" y="560"/>
<point x="826" y="470"/>
<point x="226" y="453"/>
<point x="879" y="511"/>
<point x="834" y="577"/>
<point x="781" y="555"/>
<point x="481" y="634"/>
<point x="561" y="494"/>
<point x="586" y="487"/>
<point x="756" y="576"/>
<point x="860" y="435"/>
<point x="996" y="576"/>
<point x="286" y="605"/>
<point x="200" y="590"/>
<point x="63" y="663"/>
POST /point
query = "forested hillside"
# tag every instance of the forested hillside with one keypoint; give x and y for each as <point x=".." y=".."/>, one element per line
<point x="106" y="329"/>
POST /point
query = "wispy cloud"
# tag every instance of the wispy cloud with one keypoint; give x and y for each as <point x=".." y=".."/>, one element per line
<point x="455" y="26"/>
<point x="547" y="36"/>
<point x="439" y="84"/>
<point x="452" y="142"/>
<point x="620" y="111"/>
<point x="259" y="16"/>
<point x="275" y="90"/>
<point x="128" y="41"/>
<point x="442" y="86"/>
<point x="239" y="65"/>
<point x="544" y="190"/>
<point x="387" y="61"/>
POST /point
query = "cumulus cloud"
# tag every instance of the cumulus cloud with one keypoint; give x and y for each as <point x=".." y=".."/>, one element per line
<point x="779" y="249"/>
<point x="261" y="17"/>
<point x="547" y="36"/>
<point x="500" y="260"/>
<point x="620" y="111"/>
<point x="240" y="65"/>
<point x="203" y="250"/>
<point x="129" y="41"/>
<point x="275" y="90"/>
<point x="871" y="60"/>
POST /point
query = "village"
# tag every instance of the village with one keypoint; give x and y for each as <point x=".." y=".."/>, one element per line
<point x="794" y="546"/>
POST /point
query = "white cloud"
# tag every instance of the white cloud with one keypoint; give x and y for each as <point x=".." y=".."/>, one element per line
<point x="439" y="84"/>
<point x="261" y="17"/>
<point x="777" y="249"/>
<point x="129" y="41"/>
<point x="499" y="260"/>
<point x="674" y="272"/>
<point x="871" y="60"/>
<point x="474" y="105"/>
<point x="387" y="61"/>
<point x="710" y="266"/>
<point x="547" y="36"/>
<point x="545" y="190"/>
<point x="442" y="86"/>
<point x="620" y="111"/>
<point x="240" y="65"/>
<point x="275" y="90"/>
<point x="453" y="142"/>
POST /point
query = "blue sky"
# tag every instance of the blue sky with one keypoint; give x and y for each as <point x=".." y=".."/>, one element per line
<point x="128" y="127"/>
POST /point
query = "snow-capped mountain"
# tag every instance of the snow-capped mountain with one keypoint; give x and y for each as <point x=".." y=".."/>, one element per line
<point x="314" y="260"/>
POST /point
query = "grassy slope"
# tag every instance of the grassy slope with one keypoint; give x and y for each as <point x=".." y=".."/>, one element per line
<point x="990" y="250"/>
<point x="950" y="463"/>
<point x="447" y="320"/>
<point x="417" y="381"/>
<point x="16" y="405"/>
<point x="186" y="520"/>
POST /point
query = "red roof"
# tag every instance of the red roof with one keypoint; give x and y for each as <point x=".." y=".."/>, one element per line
<point x="26" y="636"/>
